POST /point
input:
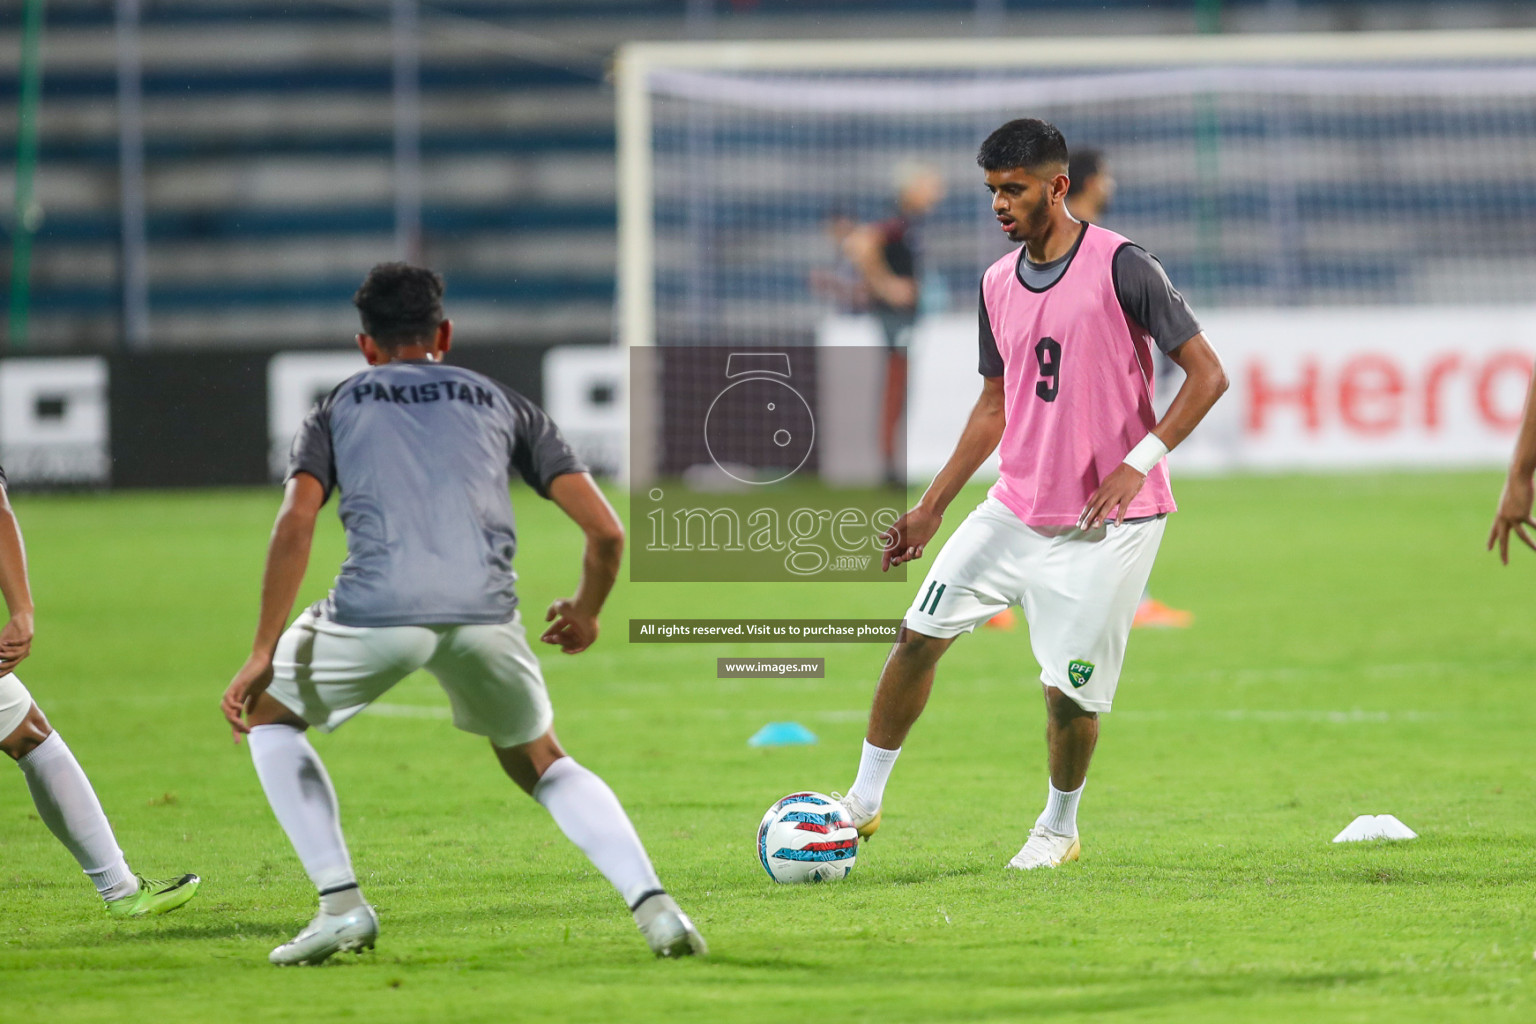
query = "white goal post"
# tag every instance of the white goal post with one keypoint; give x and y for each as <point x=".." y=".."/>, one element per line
<point x="1236" y="151"/>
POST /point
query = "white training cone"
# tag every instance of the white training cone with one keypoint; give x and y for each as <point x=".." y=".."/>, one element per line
<point x="1375" y="826"/>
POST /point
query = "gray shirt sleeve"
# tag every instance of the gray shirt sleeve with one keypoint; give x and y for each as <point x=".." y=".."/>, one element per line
<point x="539" y="453"/>
<point x="990" y="363"/>
<point x="1151" y="300"/>
<point x="312" y="451"/>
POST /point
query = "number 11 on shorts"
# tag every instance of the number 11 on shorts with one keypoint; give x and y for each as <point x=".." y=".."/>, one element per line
<point x="930" y="602"/>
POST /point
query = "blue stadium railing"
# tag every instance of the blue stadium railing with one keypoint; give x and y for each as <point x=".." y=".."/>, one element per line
<point x="64" y="292"/>
<point x="341" y="221"/>
<point x="98" y="149"/>
<point x="523" y="289"/>
<point x="95" y="13"/>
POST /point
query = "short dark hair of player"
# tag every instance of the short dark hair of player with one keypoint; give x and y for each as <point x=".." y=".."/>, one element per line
<point x="1027" y="142"/>
<point x="400" y="303"/>
<point x="1084" y="165"/>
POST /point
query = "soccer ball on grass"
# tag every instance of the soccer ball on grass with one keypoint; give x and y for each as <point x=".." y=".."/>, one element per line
<point x="807" y="837"/>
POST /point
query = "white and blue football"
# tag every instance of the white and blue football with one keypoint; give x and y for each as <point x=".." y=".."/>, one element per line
<point x="807" y="837"/>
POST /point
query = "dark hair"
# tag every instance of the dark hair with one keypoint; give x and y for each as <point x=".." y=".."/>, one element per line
<point x="400" y="303"/>
<point x="1085" y="164"/>
<point x="1027" y="142"/>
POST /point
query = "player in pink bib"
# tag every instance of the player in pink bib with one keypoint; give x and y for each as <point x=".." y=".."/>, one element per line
<point x="1077" y="385"/>
<point x="1071" y="528"/>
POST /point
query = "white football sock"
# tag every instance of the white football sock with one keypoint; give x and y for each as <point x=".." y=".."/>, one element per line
<point x="304" y="801"/>
<point x="591" y="817"/>
<point x="339" y="901"/>
<point x="1060" y="814"/>
<point x="875" y="765"/>
<point x="68" y="806"/>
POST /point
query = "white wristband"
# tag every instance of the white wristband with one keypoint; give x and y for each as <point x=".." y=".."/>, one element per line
<point x="1149" y="451"/>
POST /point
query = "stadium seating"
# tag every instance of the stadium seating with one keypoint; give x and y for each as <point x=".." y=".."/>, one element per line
<point x="269" y="153"/>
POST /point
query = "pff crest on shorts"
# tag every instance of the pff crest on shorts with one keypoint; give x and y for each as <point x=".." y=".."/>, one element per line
<point x="1079" y="672"/>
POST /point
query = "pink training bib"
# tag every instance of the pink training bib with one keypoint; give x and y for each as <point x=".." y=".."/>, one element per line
<point x="1077" y="386"/>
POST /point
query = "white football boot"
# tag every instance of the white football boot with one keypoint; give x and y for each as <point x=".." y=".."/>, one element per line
<point x="329" y="933"/>
<point x="865" y="820"/>
<point x="666" y="928"/>
<point x="1045" y="849"/>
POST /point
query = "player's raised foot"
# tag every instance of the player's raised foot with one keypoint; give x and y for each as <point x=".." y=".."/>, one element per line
<point x="667" y="930"/>
<point x="155" y="896"/>
<point x="1045" y="849"/>
<point x="1152" y="614"/>
<point x="352" y="931"/>
<point x="865" y="820"/>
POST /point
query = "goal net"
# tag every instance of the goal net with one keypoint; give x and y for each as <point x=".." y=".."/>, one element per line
<point x="1284" y="171"/>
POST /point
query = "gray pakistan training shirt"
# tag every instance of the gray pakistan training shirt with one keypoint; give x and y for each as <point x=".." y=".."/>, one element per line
<point x="422" y="453"/>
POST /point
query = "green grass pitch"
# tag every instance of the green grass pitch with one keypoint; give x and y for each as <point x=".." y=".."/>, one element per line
<point x="1355" y="651"/>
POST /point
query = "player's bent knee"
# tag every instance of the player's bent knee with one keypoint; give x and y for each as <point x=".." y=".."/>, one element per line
<point x="1062" y="706"/>
<point x="26" y="737"/>
<point x="268" y="710"/>
<point x="919" y="647"/>
<point x="526" y="763"/>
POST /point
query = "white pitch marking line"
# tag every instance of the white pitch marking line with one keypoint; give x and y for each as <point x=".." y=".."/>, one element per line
<point x="410" y="711"/>
<point x="1352" y="717"/>
<point x="1425" y="669"/>
<point x="840" y="716"/>
<point x="1355" y="716"/>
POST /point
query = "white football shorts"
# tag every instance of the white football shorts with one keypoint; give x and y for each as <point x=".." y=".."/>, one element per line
<point x="325" y="673"/>
<point x="15" y="702"/>
<point x="1079" y="591"/>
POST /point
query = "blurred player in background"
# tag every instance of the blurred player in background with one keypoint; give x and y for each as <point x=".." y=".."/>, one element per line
<point x="1088" y="197"/>
<point x="422" y="453"/>
<point x="1092" y="186"/>
<point x="1071" y="528"/>
<point x="888" y="261"/>
<point x="63" y="795"/>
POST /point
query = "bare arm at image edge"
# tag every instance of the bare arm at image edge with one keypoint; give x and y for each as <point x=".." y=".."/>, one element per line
<point x="1514" y="511"/>
<point x="16" y="637"/>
